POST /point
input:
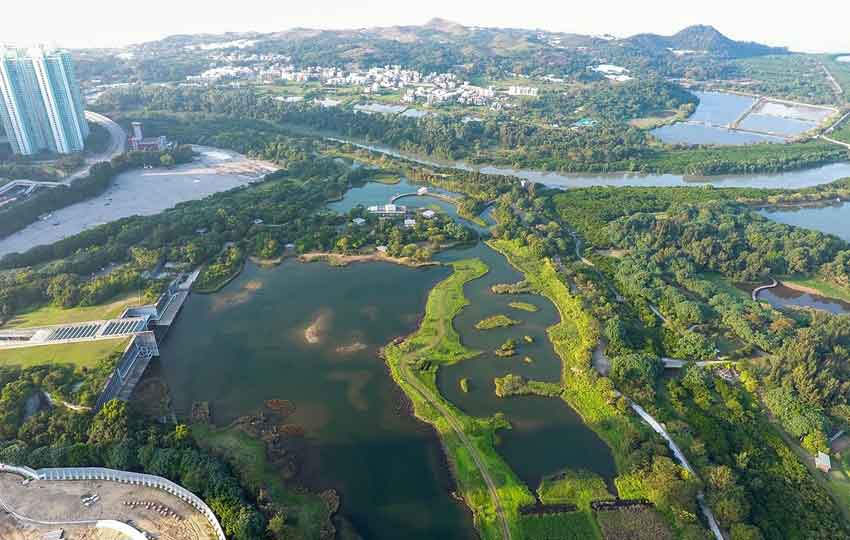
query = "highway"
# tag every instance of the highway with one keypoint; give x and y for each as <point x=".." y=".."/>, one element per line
<point x="117" y="145"/>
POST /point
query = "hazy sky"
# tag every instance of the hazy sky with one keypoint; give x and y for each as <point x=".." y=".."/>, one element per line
<point x="814" y="25"/>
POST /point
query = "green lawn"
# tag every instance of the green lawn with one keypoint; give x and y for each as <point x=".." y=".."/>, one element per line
<point x="573" y="487"/>
<point x="563" y="526"/>
<point x="50" y="314"/>
<point x="82" y="355"/>
<point x="726" y="286"/>
<point x="307" y="513"/>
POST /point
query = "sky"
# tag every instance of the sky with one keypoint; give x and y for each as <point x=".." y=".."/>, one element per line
<point x="814" y="26"/>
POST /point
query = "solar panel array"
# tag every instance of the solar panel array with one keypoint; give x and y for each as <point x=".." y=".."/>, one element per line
<point x="74" y="332"/>
<point x="117" y="328"/>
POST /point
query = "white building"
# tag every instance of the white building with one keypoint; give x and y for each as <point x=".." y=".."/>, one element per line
<point x="388" y="210"/>
<point x="528" y="91"/>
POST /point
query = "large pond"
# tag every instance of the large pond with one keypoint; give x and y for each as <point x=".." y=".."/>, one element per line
<point x="142" y="192"/>
<point x="830" y="219"/>
<point x="774" y="121"/>
<point x="247" y="344"/>
<point x="785" y="180"/>
<point x="783" y="296"/>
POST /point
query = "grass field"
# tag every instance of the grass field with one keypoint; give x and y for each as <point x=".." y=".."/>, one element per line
<point x="639" y="523"/>
<point x="50" y="314"/>
<point x="726" y="286"/>
<point x="563" y="526"/>
<point x="414" y="364"/>
<point x="81" y="355"/>
<point x="573" y="487"/>
<point x="248" y="456"/>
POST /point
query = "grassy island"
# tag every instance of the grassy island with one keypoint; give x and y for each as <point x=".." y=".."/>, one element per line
<point x="496" y="321"/>
<point x="506" y="349"/>
<point x="523" y="306"/>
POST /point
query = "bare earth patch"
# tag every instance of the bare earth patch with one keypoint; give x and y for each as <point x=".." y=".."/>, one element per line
<point x="60" y="502"/>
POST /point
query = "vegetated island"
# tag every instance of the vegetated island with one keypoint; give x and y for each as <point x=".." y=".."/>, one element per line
<point x="524" y="306"/>
<point x="496" y="321"/>
<point x="506" y="349"/>
<point x="519" y="287"/>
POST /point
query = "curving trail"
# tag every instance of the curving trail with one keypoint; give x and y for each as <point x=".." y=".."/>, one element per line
<point x="409" y="377"/>
<point x="470" y="447"/>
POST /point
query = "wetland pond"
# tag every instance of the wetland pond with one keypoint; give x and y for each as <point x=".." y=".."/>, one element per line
<point x="310" y="333"/>
<point x="768" y="122"/>
<point x="830" y="219"/>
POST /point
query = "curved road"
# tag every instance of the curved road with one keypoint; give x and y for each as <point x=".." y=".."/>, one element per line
<point x="117" y="145"/>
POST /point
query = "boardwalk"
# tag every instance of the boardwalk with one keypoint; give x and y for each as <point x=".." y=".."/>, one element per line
<point x="680" y="456"/>
<point x="757" y="290"/>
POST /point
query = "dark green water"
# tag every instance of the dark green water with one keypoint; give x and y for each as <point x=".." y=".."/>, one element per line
<point x="247" y="344"/>
<point x="547" y="435"/>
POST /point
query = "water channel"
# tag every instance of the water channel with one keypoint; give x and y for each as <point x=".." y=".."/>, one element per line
<point x="815" y="176"/>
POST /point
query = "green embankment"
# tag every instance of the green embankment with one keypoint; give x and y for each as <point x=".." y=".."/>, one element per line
<point x="825" y="288"/>
<point x="247" y="455"/>
<point x="414" y="363"/>
<point x="50" y="314"/>
<point x="573" y="487"/>
<point x="80" y="355"/>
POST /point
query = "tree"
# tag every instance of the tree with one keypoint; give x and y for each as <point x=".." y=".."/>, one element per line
<point x="166" y="160"/>
<point x="742" y="531"/>
<point x="111" y="424"/>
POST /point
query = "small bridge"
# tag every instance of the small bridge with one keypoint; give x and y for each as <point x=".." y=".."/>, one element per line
<point x="758" y="290"/>
<point x="439" y="196"/>
<point x="672" y="363"/>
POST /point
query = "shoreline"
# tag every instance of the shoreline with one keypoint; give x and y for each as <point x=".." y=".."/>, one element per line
<point x="339" y="259"/>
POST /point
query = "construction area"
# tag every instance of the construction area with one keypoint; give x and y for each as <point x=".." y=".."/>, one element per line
<point x="95" y="510"/>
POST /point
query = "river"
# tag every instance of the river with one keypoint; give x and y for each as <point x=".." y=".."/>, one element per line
<point x="815" y="176"/>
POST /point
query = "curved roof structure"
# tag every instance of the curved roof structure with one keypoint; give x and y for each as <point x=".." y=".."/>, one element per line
<point x="121" y="527"/>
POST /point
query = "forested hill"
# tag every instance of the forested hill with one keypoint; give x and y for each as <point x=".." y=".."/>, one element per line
<point x="442" y="46"/>
<point x="704" y="39"/>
